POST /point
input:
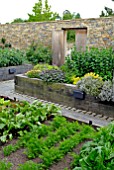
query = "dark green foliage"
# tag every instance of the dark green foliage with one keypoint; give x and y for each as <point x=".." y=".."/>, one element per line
<point x="107" y="13"/>
<point x="67" y="15"/>
<point x="18" y="20"/>
<point x="39" y="54"/>
<point x="99" y="153"/>
<point x="4" y="44"/>
<point x="10" y="57"/>
<point x="99" y="61"/>
<point x="3" y="40"/>
<point x="52" y="76"/>
<point x="71" y="36"/>
<point x="69" y="69"/>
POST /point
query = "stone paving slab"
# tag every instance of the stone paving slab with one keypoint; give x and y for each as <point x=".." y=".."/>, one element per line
<point x="7" y="89"/>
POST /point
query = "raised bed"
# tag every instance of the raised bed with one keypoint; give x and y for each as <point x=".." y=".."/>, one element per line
<point x="8" y="73"/>
<point x="62" y="94"/>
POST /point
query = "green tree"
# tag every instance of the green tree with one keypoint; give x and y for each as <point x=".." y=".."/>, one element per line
<point x="67" y="15"/>
<point x="107" y="13"/>
<point x="42" y="12"/>
<point x="18" y="20"/>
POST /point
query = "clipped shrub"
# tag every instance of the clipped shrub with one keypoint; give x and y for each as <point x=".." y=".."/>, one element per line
<point x="90" y="84"/>
<point x="99" y="61"/>
<point x="107" y="93"/>
<point x="10" y="57"/>
<point x="39" y="54"/>
<point x="56" y="76"/>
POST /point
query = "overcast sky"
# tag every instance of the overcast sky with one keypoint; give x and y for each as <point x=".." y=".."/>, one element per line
<point x="12" y="9"/>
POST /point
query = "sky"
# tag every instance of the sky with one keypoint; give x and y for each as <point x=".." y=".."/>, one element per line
<point x="12" y="9"/>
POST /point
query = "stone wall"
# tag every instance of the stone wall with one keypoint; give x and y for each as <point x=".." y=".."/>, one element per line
<point x="100" y="32"/>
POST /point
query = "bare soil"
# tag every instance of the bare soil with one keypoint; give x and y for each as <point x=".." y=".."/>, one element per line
<point x="19" y="157"/>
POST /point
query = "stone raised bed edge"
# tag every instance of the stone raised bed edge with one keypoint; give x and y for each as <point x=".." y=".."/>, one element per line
<point x="62" y="94"/>
<point x="8" y="73"/>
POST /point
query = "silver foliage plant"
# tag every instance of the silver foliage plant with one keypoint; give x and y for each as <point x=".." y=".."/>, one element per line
<point x="90" y="85"/>
<point x="107" y="91"/>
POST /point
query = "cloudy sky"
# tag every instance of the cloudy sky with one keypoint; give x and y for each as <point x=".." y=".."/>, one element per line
<point x="12" y="9"/>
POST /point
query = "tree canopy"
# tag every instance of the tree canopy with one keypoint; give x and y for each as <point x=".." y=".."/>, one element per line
<point x="42" y="12"/>
<point x="67" y="15"/>
<point x="107" y="13"/>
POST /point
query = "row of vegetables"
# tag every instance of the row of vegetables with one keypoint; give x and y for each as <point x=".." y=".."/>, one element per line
<point x="51" y="141"/>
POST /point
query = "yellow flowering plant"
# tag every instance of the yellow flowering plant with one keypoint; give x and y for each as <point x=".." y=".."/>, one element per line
<point x="90" y="83"/>
<point x="93" y="75"/>
<point x="75" y="79"/>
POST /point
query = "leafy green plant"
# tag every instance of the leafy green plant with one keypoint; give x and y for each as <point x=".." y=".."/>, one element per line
<point x="36" y="146"/>
<point x="99" y="153"/>
<point x="15" y="118"/>
<point x="8" y="150"/>
<point x="51" y="142"/>
<point x="29" y="165"/>
<point x="5" y="166"/>
<point x="4" y="44"/>
<point x="39" y="68"/>
<point x="99" y="61"/>
<point x="52" y="76"/>
<point x="91" y="85"/>
<point x="10" y="57"/>
<point x="39" y="54"/>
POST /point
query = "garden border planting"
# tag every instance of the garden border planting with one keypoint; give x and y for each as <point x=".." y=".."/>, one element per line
<point x="62" y="94"/>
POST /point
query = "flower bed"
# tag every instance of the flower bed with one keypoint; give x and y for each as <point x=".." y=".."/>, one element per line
<point x="61" y="93"/>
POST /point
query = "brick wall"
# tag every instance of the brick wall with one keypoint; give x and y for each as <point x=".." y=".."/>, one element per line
<point x="100" y="32"/>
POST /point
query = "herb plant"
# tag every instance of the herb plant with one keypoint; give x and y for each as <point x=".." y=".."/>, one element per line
<point x="10" y="57"/>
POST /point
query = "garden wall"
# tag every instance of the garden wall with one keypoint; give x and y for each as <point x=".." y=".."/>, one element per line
<point x="100" y="32"/>
<point x="8" y="73"/>
<point x="60" y="93"/>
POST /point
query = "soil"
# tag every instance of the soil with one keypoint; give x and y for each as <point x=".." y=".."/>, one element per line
<point x="19" y="157"/>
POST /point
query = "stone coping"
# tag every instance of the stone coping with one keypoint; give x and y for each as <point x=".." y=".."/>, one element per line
<point x="62" y="94"/>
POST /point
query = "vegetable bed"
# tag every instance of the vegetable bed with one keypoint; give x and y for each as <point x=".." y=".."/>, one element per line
<point x="41" y="139"/>
<point x="47" y="144"/>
